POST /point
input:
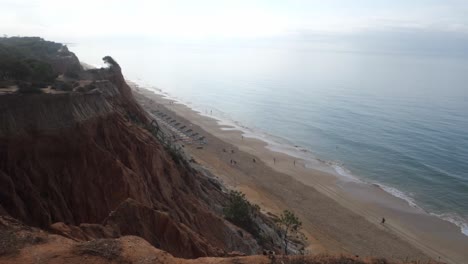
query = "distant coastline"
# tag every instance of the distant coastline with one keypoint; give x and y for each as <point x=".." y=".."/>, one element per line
<point x="350" y="191"/>
<point x="278" y="144"/>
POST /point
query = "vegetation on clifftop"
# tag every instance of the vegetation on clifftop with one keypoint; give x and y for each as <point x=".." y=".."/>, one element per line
<point x="22" y="63"/>
<point x="32" y="63"/>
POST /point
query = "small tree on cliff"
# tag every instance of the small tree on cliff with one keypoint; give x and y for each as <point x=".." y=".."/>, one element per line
<point x="289" y="225"/>
<point x="241" y="212"/>
<point x="111" y="62"/>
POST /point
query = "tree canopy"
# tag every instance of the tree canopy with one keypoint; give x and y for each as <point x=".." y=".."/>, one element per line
<point x="24" y="59"/>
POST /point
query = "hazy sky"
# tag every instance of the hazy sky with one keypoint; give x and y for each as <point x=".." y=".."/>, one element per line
<point x="59" y="19"/>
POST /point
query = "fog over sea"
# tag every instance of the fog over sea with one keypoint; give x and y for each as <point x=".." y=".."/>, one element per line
<point x="391" y="114"/>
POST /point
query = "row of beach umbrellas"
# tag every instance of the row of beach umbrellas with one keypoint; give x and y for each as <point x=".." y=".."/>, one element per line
<point x="180" y="131"/>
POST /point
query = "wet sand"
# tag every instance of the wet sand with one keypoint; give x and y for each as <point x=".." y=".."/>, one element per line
<point x="338" y="215"/>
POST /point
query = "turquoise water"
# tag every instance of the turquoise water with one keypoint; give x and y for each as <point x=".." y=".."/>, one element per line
<point x="397" y="119"/>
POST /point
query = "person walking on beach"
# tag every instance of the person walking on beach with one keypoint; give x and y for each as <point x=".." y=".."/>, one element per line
<point x="274" y="160"/>
<point x="294" y="162"/>
<point x="383" y="221"/>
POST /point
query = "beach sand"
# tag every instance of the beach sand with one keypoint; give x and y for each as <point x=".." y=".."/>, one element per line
<point x="338" y="215"/>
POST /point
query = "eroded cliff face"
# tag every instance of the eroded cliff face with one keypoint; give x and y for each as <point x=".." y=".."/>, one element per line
<point x="78" y="164"/>
<point x="22" y="244"/>
<point x="23" y="114"/>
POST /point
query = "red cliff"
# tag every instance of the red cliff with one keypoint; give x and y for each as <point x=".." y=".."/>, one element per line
<point x="84" y="166"/>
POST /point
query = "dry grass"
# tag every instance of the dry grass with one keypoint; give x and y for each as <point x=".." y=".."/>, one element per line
<point x="379" y="261"/>
<point x="322" y="259"/>
<point x="331" y="259"/>
<point x="109" y="249"/>
<point x="11" y="242"/>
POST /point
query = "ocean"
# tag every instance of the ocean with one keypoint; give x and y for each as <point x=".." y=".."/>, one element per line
<point x="397" y="119"/>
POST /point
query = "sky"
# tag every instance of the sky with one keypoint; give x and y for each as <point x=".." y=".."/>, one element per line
<point x="227" y="19"/>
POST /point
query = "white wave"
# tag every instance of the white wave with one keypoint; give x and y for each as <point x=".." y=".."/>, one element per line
<point x="456" y="220"/>
<point x="450" y="217"/>
<point x="397" y="193"/>
<point x="343" y="171"/>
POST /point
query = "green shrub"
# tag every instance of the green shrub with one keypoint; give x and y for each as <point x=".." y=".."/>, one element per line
<point x="41" y="71"/>
<point x="27" y="88"/>
<point x="289" y="225"/>
<point x="72" y="73"/>
<point x="240" y="212"/>
<point x="26" y="59"/>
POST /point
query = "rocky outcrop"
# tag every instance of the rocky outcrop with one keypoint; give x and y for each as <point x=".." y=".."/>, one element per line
<point x="160" y="229"/>
<point x="83" y="232"/>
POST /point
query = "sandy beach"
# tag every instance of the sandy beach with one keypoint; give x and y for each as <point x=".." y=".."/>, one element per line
<point x="339" y="215"/>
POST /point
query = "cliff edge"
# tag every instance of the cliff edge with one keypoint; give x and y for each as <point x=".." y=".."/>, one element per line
<point x="81" y="162"/>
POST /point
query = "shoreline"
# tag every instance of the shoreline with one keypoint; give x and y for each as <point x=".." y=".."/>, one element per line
<point x="434" y="236"/>
<point x="333" y="167"/>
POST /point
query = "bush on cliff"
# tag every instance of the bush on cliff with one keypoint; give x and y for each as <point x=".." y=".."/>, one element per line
<point x="62" y="86"/>
<point x="290" y="227"/>
<point x="24" y="87"/>
<point x="72" y="73"/>
<point x="41" y="71"/>
<point x="13" y="69"/>
<point x="111" y="62"/>
<point x="32" y="47"/>
<point x="241" y="212"/>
